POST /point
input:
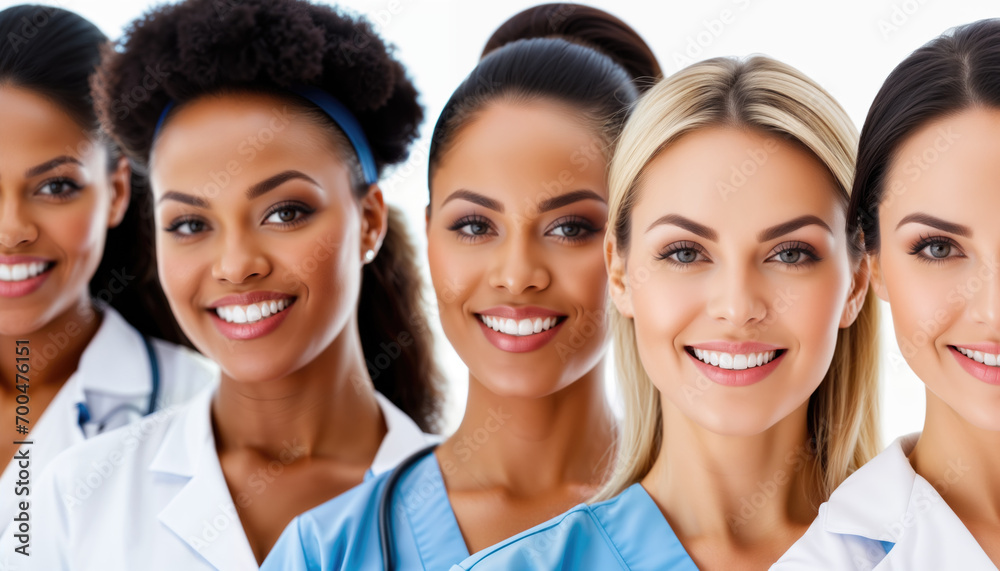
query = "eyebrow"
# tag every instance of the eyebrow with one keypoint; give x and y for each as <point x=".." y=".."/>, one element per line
<point x="49" y="165"/>
<point x="935" y="222"/>
<point x="792" y="225"/>
<point x="476" y="198"/>
<point x="275" y="181"/>
<point x="764" y="236"/>
<point x="569" y="198"/>
<point x="254" y="191"/>
<point x="687" y="224"/>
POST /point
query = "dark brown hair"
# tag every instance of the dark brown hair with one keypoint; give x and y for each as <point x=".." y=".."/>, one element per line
<point x="204" y="47"/>
<point x="54" y="52"/>
<point x="949" y="74"/>
<point x="569" y="53"/>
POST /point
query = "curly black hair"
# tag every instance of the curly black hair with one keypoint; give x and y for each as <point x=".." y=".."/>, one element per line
<point x="177" y="53"/>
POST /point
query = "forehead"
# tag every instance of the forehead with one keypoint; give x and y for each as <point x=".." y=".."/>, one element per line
<point x="222" y="139"/>
<point x="949" y="168"/>
<point x="31" y="124"/>
<point x="736" y="178"/>
<point x="526" y="147"/>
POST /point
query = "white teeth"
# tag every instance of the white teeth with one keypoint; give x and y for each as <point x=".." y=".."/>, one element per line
<point x="518" y="328"/>
<point x="734" y="361"/>
<point x="19" y="272"/>
<point x="980" y="357"/>
<point x="250" y="313"/>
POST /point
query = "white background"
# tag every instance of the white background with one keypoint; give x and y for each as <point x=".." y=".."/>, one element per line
<point x="848" y="46"/>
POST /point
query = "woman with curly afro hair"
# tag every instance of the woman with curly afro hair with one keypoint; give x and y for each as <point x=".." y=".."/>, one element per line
<point x="264" y="126"/>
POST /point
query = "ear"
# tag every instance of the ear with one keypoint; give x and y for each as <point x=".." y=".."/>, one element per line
<point x="877" y="279"/>
<point x="427" y="219"/>
<point x="621" y="291"/>
<point x="121" y="187"/>
<point x="374" y="220"/>
<point x="859" y="290"/>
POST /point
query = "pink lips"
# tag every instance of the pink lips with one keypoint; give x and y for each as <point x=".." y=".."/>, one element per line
<point x="24" y="287"/>
<point x="981" y="371"/>
<point x="515" y="343"/>
<point x="734" y="377"/>
<point x="248" y="331"/>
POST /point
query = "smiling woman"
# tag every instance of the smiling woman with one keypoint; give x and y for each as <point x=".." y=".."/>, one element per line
<point x="78" y="294"/>
<point x="518" y="206"/>
<point x="281" y="262"/>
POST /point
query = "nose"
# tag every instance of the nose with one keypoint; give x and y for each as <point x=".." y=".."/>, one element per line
<point x="518" y="265"/>
<point x="16" y="228"/>
<point x="985" y="303"/>
<point x="240" y="260"/>
<point x="734" y="296"/>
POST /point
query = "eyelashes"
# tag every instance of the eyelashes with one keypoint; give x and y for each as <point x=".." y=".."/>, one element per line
<point x="569" y="229"/>
<point x="69" y="188"/>
<point x="190" y="225"/>
<point x="685" y="254"/>
<point x="926" y="246"/>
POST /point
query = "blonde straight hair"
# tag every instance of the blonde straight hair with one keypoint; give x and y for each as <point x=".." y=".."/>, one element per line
<point x="767" y="95"/>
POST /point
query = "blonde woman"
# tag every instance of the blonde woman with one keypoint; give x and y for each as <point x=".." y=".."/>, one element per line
<point x="744" y="332"/>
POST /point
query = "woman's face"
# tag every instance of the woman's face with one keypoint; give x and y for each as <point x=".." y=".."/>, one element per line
<point x="517" y="215"/>
<point x="939" y="260"/>
<point x="737" y="277"/>
<point x="260" y="239"/>
<point x="57" y="202"/>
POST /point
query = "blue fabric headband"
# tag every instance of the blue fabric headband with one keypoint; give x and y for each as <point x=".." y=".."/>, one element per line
<point x="340" y="115"/>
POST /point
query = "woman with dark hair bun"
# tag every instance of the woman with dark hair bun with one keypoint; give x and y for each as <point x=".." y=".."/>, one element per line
<point x="264" y="127"/>
<point x="82" y="318"/>
<point x="926" y="197"/>
<point x="518" y="206"/>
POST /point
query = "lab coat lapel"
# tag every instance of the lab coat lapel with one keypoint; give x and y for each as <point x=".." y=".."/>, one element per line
<point x="202" y="513"/>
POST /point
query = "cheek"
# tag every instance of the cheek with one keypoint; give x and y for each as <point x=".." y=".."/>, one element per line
<point x="920" y="313"/>
<point x="455" y="271"/>
<point x="80" y="230"/>
<point x="583" y="277"/>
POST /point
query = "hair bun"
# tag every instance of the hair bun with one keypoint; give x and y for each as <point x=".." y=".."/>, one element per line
<point x="587" y="26"/>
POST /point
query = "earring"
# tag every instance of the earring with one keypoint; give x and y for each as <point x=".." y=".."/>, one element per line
<point x="369" y="256"/>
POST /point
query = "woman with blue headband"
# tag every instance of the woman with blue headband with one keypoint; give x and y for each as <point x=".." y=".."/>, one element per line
<point x="264" y="133"/>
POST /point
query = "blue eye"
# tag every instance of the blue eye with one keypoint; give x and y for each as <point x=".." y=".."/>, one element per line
<point x="683" y="253"/>
<point x="471" y="228"/>
<point x="795" y="254"/>
<point x="186" y="226"/>
<point x="572" y="229"/>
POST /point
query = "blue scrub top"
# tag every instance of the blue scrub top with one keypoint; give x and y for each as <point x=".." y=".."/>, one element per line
<point x="343" y="532"/>
<point x="627" y="532"/>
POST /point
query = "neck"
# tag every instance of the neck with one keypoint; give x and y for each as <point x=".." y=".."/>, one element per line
<point x="325" y="409"/>
<point x="54" y="349"/>
<point x="742" y="489"/>
<point x="961" y="461"/>
<point x="530" y="445"/>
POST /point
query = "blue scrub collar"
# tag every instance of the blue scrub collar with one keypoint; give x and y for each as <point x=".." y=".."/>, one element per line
<point x="336" y="110"/>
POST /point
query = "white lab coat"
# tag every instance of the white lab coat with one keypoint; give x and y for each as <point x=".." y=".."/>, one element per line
<point x="152" y="496"/>
<point x="113" y="373"/>
<point x="887" y="507"/>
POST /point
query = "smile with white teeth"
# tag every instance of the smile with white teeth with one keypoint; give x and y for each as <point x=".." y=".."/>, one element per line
<point x="732" y="361"/>
<point x="980" y="357"/>
<point x="251" y="313"/>
<point x="519" y="328"/>
<point x="21" y="272"/>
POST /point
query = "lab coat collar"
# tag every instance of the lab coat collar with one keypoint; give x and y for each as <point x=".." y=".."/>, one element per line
<point x="871" y="500"/>
<point x="887" y="501"/>
<point x="203" y="514"/>
<point x="115" y="342"/>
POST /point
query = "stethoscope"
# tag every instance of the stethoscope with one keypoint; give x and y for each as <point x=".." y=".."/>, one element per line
<point x="154" y="367"/>
<point x="385" y="506"/>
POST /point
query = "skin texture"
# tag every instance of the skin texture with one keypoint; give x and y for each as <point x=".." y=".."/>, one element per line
<point x="299" y="394"/>
<point x="944" y="291"/>
<point x="721" y="442"/>
<point x="536" y="407"/>
<point x="61" y="214"/>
